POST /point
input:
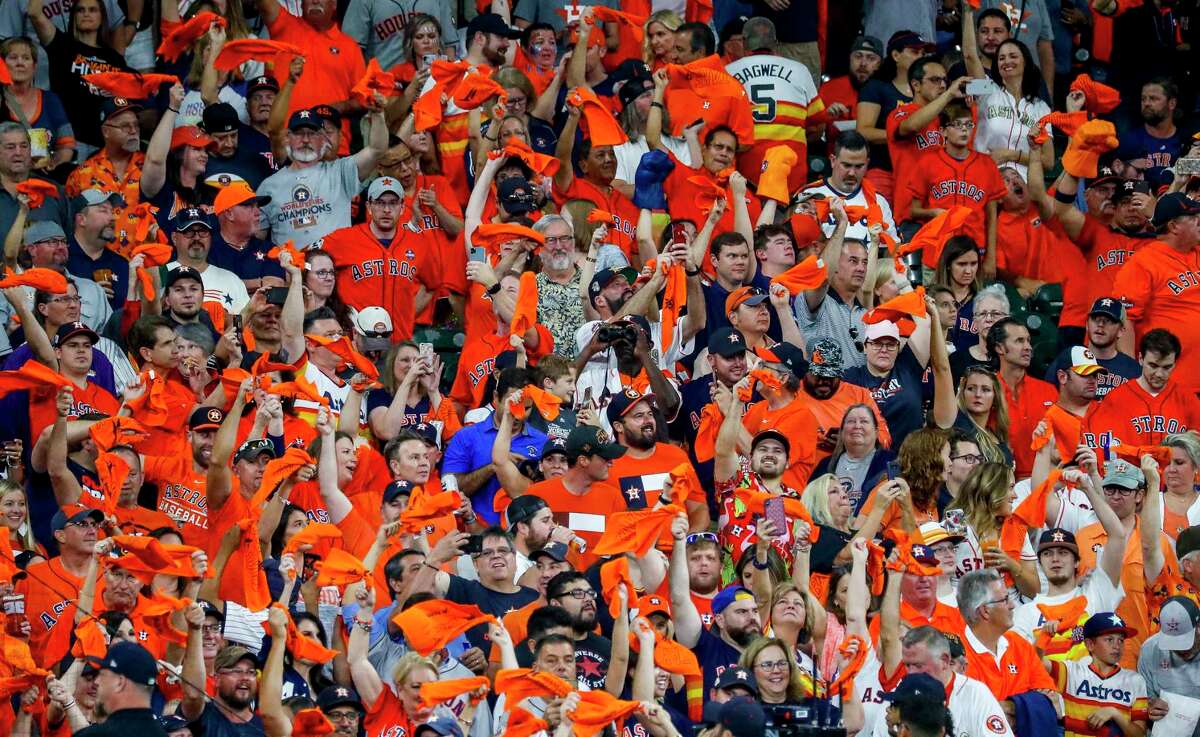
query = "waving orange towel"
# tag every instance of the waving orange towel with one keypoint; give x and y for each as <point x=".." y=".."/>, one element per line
<point x="1134" y="453"/>
<point x="5" y="74"/>
<point x="541" y="164"/>
<point x="897" y="309"/>
<point x="312" y="534"/>
<point x="708" y="192"/>
<point x="632" y="21"/>
<point x="705" y="443"/>
<point x="278" y="469"/>
<point x="522" y="683"/>
<point x="375" y="80"/>
<point x="157" y="611"/>
<point x="147" y="549"/>
<point x="777" y="165"/>
<point x="525" y="313"/>
<point x="1082" y="157"/>
<point x="32" y="376"/>
<point x="257" y="593"/>
<point x="311" y="723"/>
<point x="37" y="190"/>
<point x="636" y="531"/>
<point x="17" y="655"/>
<point x="155" y="254"/>
<point x="1068" y="616"/>
<point x="43" y="280"/>
<point x="490" y="236"/>
<point x="301" y="648"/>
<point x="601" y="217"/>
<point x="290" y="248"/>
<point x="429" y="108"/>
<point x="425" y="508"/>
<point x="1068" y="123"/>
<point x="181" y="39"/>
<point x="932" y="236"/>
<point x="264" y="365"/>
<point x="1030" y="513"/>
<point x="805" y="227"/>
<point x="339" y="568"/>
<point x="613" y="575"/>
<point x="602" y="129"/>
<point x="674" y="302"/>
<point x="808" y="274"/>
<point x="431" y="624"/>
<point x="700" y="77"/>
<point x="129" y="84"/>
<point x="475" y="89"/>
<point x="845" y="680"/>
<point x="298" y="388"/>
<point x="548" y="405"/>
<point x="237" y="52"/>
<point x="1065" y="428"/>
<point x="439" y="692"/>
<point x="523" y="724"/>
<point x="698" y="11"/>
<point x="598" y="709"/>
<point x="91" y="641"/>
<point x="343" y="349"/>
<point x="182" y="564"/>
<point x="1099" y="98"/>
<point x="906" y="563"/>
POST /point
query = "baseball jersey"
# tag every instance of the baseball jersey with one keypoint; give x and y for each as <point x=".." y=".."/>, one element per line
<point x="782" y="97"/>
<point x="388" y="275"/>
<point x="477" y="362"/>
<point x="1085" y="689"/>
<point x="310" y="203"/>
<point x="50" y="592"/>
<point x="1027" y="404"/>
<point x="1160" y="287"/>
<point x="1027" y="246"/>
<point x="1106" y="251"/>
<point x="1096" y="589"/>
<point x="379" y="26"/>
<point x="584" y="514"/>
<point x="1130" y="415"/>
<point x="863" y="197"/>
<point x="682" y="197"/>
<point x="621" y="232"/>
<point x="940" y="180"/>
<point x="222" y="287"/>
<point x="451" y="141"/>
<point x="906" y="150"/>
<point x="182" y="493"/>
<point x="973" y="709"/>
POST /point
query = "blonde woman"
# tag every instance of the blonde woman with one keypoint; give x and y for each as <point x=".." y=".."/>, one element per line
<point x="1179" y="483"/>
<point x="14" y="505"/>
<point x="982" y="414"/>
<point x="985" y="501"/>
<point x="659" y="46"/>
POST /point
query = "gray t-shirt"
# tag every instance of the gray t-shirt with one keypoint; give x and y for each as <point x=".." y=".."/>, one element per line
<point x="836" y="320"/>
<point x="309" y="204"/>
<point x="1034" y="25"/>
<point x="547" y="11"/>
<point x="884" y="17"/>
<point x="1164" y="670"/>
<point x="379" y="26"/>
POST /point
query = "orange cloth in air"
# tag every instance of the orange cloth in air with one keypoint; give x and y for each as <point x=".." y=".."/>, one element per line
<point x="684" y="195"/>
<point x="429" y="625"/>
<point x="939" y="180"/>
<point x="685" y="105"/>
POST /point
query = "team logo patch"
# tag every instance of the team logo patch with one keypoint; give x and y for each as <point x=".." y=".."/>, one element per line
<point x="997" y="725"/>
<point x="301" y="194"/>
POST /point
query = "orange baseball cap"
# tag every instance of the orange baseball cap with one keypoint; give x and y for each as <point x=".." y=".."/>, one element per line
<point x="744" y="296"/>
<point x="237" y="193"/>
<point x="190" y="135"/>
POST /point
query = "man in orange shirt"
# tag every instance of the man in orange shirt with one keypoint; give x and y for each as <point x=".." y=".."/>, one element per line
<point x="583" y="496"/>
<point x="717" y="154"/>
<point x="1160" y="285"/>
<point x="333" y="61"/>
<point x="643" y="470"/>
<point x="1005" y="662"/>
<point x="919" y="604"/>
<point x="182" y="481"/>
<point x="828" y="397"/>
<point x="694" y="44"/>
<point x="51" y="587"/>
<point x="840" y="94"/>
<point x="1026" y="397"/>
<point x="784" y="410"/>
<point x="1147" y="409"/>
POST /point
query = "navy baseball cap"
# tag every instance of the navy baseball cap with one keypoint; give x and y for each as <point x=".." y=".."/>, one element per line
<point x="1110" y="307"/>
<point x="604" y="277"/>
<point x="332" y="696"/>
<point x="552" y="446"/>
<point x="916" y="686"/>
<point x="523" y="509"/>
<point x="190" y="216"/>
<point x="179" y="273"/>
<point x="741" y="716"/>
<point x="264" y="82"/>
<point x="304" y="119"/>
<point x="771" y="434"/>
<point x="1106" y="623"/>
<point x="726" y="342"/>
<point x="737" y="677"/>
<point x="74" y="514"/>
<point x="516" y="195"/>
<point x="728" y="595"/>
<point x="132" y="661"/>
<point x="1171" y="206"/>
<point x="396" y="489"/>
<point x="587" y="440"/>
<point x="66" y="331"/>
<point x="787" y="354"/>
<point x="623" y="401"/>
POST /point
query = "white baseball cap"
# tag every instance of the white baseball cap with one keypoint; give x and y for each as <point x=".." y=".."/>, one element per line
<point x="1178" y="620"/>
<point x="374" y="324"/>
<point x="883" y="329"/>
<point x="385" y="184"/>
<point x="1083" y="361"/>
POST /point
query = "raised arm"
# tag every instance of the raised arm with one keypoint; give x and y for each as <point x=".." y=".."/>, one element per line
<point x="366" y="679"/>
<point x="511" y="479"/>
<point x="154" y="169"/>
<point x="479" y="197"/>
<point x="829" y="254"/>
<point x="945" y="401"/>
<point x="577" y="67"/>
<point x="35" y="334"/>
<point x="618" y="661"/>
<point x="1152" y="520"/>
<point x="1071" y="218"/>
<point x="276" y="721"/>
<point x="336" y="501"/>
<point x="193" y="676"/>
<point x="65" y="486"/>
<point x="42" y="26"/>
<point x="889" y="625"/>
<point x="726" y="461"/>
<point x="220" y="476"/>
<point x="565" y="148"/>
<point x="687" y="620"/>
<point x="15" y="237"/>
<point x="970" y="45"/>
<point x="377" y="138"/>
<point x="1088" y="479"/>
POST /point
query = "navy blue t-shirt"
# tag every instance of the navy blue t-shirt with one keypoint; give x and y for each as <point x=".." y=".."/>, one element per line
<point x="463" y="591"/>
<point x="249" y="262"/>
<point x="715" y="655"/>
<point x="1159" y="153"/>
<point x="1121" y="368"/>
<point x="899" y="394"/>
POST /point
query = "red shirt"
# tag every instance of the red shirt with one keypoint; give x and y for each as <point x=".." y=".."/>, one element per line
<point x="621" y="234"/>
<point x="939" y="180"/>
<point x="682" y="197"/>
<point x="904" y="150"/>
<point x="1160" y="287"/>
<point x="1130" y="415"/>
<point x="584" y="514"/>
<point x="1106" y="251"/>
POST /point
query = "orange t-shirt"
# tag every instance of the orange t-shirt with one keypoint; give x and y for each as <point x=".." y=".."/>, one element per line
<point x="1028" y="246"/>
<point x="641" y="479"/>
<point x="182" y="494"/>
<point x="938" y="180"/>
<point x="386" y="717"/>
<point x="1161" y="289"/>
<point x="89" y="399"/>
<point x="1130" y="415"/>
<point x="682" y="197"/>
<point x="478" y="360"/>
<point x="829" y="413"/>
<point x="1019" y="670"/>
<point x="621" y="233"/>
<point x="796" y="421"/>
<point x="583" y="514"/>
<point x="50" y="595"/>
<point x="1106" y="251"/>
<point x="904" y="150"/>
<point x="1027" y="405"/>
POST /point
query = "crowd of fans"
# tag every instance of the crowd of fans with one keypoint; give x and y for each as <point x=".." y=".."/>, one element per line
<point x="392" y="368"/>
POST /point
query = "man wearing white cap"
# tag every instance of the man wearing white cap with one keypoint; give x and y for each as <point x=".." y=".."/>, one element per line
<point x="1167" y="660"/>
<point x="386" y="261"/>
<point x="943" y="544"/>
<point x="372" y="331"/>
<point x="1077" y="386"/>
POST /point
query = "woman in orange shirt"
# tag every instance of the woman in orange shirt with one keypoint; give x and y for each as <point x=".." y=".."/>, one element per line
<point x="1179" y="479"/>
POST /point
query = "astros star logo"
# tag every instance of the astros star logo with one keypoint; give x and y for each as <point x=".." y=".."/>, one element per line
<point x="633" y="493"/>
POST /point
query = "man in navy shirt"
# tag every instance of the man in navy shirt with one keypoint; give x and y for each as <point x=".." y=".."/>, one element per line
<point x="88" y="254"/>
<point x="1104" y="325"/>
<point x="221" y="123"/>
<point x="1157" y="142"/>
<point x="234" y="245"/>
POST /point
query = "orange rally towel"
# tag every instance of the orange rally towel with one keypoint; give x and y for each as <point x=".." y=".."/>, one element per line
<point x="708" y="192"/>
<point x="301" y="648"/>
<point x="806" y="228"/>
<point x="636" y="531"/>
<point x="793" y="508"/>
<point x="490" y="236"/>
<point x="278" y="469"/>
<point x="375" y="80"/>
<point x="698" y="11"/>
<point x="598" y="217"/>
<point x="932" y="236"/>
<point x="290" y="248"/>
<point x="424" y="508"/>
<point x="700" y="77"/>
<point x="1100" y="98"/>
<point x="909" y="304"/>
<point x="341" y="569"/>
<point x="112" y="470"/>
<point x="705" y="443"/>
<point x="147" y="549"/>
<point x="90" y="640"/>
<point x="1065" y="428"/>
<point x="613" y="575"/>
<point x="808" y="274"/>
<point x="16" y="654"/>
<point x="682" y="489"/>
<point x="32" y="376"/>
<point x="598" y="709"/>
<point x="312" y="533"/>
<point x="1066" y="614"/>
<point x="311" y="723"/>
<point x="439" y="692"/>
<point x="429" y="108"/>
<point x="5" y="74"/>
<point x="239" y="51"/>
<point x="153" y="254"/>
<point x="1068" y="123"/>
<point x="845" y="680"/>
<point x="541" y="164"/>
<point x="1029" y="513"/>
<point x="429" y="625"/>
<point x="523" y="724"/>
<point x="181" y="39"/>
<point x="1082" y="156"/>
<point x="257" y="593"/>
<point x="1134" y="453"/>
<point x="635" y="23"/>
<point x="547" y="404"/>
<point x="522" y="683"/>
<point x="674" y="302"/>
<point x="43" y="280"/>
<point x="476" y="89"/>
<point x="777" y="165"/>
<point x="602" y="128"/>
<point x="37" y="190"/>
<point x="129" y="84"/>
<point x="525" y="313"/>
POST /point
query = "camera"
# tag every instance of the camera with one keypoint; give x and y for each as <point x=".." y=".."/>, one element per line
<point x="786" y="720"/>
<point x="616" y="333"/>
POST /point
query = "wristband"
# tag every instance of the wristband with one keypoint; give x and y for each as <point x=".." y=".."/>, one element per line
<point x="70" y="706"/>
<point x="658" y="105"/>
<point x="1063" y="197"/>
<point x="763" y="567"/>
<point x="172" y="109"/>
<point x="427" y="565"/>
<point x="692" y="273"/>
<point x="494" y="289"/>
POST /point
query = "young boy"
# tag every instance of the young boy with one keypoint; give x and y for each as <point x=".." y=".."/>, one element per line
<point x="1100" y="692"/>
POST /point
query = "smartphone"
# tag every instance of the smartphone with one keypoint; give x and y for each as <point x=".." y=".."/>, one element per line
<point x="893" y="470"/>
<point x="237" y="330"/>
<point x="478" y="254"/>
<point x="425" y="350"/>
<point x="474" y="545"/>
<point x="1187" y="167"/>
<point x="277" y="295"/>
<point x="980" y="87"/>
<point x="679" y="233"/>
<point x="310" y="566"/>
<point x="773" y="510"/>
<point x="429" y="59"/>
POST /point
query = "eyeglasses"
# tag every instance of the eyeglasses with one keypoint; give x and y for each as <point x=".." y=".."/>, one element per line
<point x="936" y="80"/>
<point x="70" y="300"/>
<point x="991" y="313"/>
<point x="239" y="672"/>
<point x="51" y="242"/>
<point x="580" y="593"/>
<point x="770" y="665"/>
<point x="211" y="629"/>
<point x="560" y="239"/>
<point x="130" y="127"/>
<point x="324" y="273"/>
<point x="883" y="345"/>
<point x="698" y="536"/>
<point x="1008" y="600"/>
<point x="87" y="524"/>
<point x="342" y="716"/>
<point x="963" y="124"/>
<point x="970" y="458"/>
<point x="496" y="553"/>
<point x="1117" y="491"/>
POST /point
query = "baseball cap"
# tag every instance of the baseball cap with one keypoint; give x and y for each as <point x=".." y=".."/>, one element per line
<point x="1057" y="537"/>
<point x="744" y="296"/>
<point x="726" y="342"/>
<point x="624" y="401"/>
<point x="328" y="113"/>
<point x="385" y="184"/>
<point x="179" y="273"/>
<point x="219" y="118"/>
<point x="740" y="717"/>
<point x="231" y="655"/>
<point x="1110" y="307"/>
<point x="587" y="440"/>
<point x="552" y="446"/>
<point x="491" y="23"/>
<point x="132" y="661"/>
<point x="1171" y="206"/>
<point x="172" y="723"/>
<point x="304" y="119"/>
<point x="1129" y="187"/>
<point x="211" y="610"/>
<point x="206" y="418"/>
<point x="238" y="193"/>
<point x="332" y="696"/>
<point x="790" y="356"/>
<point x="1187" y="542"/>
<point x="924" y="554"/>
<point x="43" y="230"/>
<point x="1177" y="620"/>
<point x="651" y="603"/>
<point x="374" y="325"/>
<point x="902" y="40"/>
<point x="190" y="216"/>
<point x="116" y="105"/>
<point x="261" y="83"/>
<point x="1106" y="623"/>
<point x="737" y="677"/>
<point x="604" y="277"/>
<point x="728" y="595"/>
<point x="825" y="359"/>
<point x="882" y="329"/>
<point x="91" y="197"/>
<point x="74" y="514"/>
<point x="933" y="533"/>
<point x="443" y="724"/>
<point x="634" y="88"/>
<point x="917" y="686"/>
<point x="429" y="432"/>
<point x="252" y="450"/>
<point x="190" y="135"/>
<point x="1083" y="361"/>
<point x="524" y="508"/>
<point x="68" y="330"/>
<point x="396" y="489"/>
<point x="770" y="434"/>
<point x="516" y="195"/>
<point x="1123" y="474"/>
<point x="557" y="551"/>
<point x="867" y="43"/>
<point x="1104" y="174"/>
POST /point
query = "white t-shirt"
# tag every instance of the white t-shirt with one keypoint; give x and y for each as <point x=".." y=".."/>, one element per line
<point x="968" y="554"/>
<point x="223" y="287"/>
<point x="857" y="231"/>
<point x="1102" y="596"/>
<point x="1005" y="122"/>
<point x="629" y="154"/>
